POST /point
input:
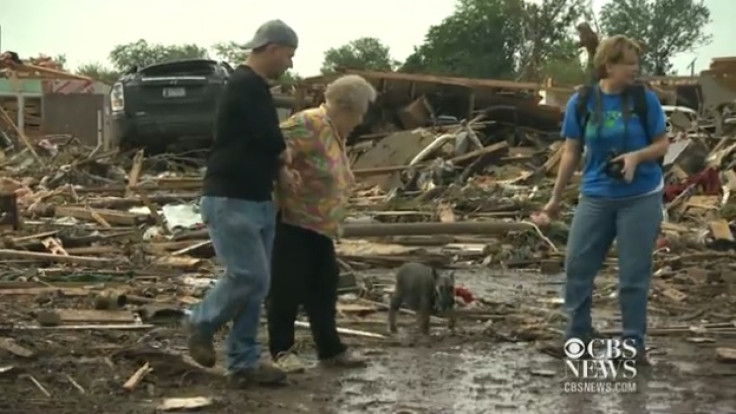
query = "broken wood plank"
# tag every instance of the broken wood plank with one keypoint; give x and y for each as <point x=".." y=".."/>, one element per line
<point x="178" y="262"/>
<point x="20" y="254"/>
<point x="36" y="291"/>
<point x="190" y="403"/>
<point x="38" y="236"/>
<point x="726" y="354"/>
<point x="160" y="222"/>
<point x="5" y="118"/>
<point x="132" y="383"/>
<point x="135" y="172"/>
<point x="10" y="345"/>
<point x="674" y="294"/>
<point x="96" y="316"/>
<point x="111" y="216"/>
<point x="721" y="230"/>
<point x="496" y="147"/>
<point x="98" y="218"/>
<point x="93" y="251"/>
<point x="345" y="331"/>
<point x="415" y="229"/>
<point x="121" y="327"/>
<point x="191" y="248"/>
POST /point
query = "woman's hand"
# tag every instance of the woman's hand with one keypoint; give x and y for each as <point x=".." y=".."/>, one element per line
<point x="631" y="161"/>
<point x="290" y="177"/>
<point x="549" y="212"/>
<point x="286" y="157"/>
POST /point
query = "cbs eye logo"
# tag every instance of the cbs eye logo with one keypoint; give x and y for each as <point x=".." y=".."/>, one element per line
<point x="574" y="348"/>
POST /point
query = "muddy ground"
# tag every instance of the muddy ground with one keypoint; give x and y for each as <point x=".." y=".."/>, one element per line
<point x="478" y="370"/>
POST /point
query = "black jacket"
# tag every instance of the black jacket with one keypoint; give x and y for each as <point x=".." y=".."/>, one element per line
<point x="244" y="160"/>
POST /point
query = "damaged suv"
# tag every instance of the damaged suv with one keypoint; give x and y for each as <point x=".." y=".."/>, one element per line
<point x="168" y="106"/>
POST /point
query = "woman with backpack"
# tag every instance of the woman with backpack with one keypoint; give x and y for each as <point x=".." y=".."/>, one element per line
<point x="622" y="127"/>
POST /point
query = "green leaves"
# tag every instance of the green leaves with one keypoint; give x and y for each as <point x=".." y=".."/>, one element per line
<point x="230" y="52"/>
<point x="666" y="27"/>
<point x="99" y="72"/>
<point x="500" y="39"/>
<point x="141" y="54"/>
<point x="365" y="53"/>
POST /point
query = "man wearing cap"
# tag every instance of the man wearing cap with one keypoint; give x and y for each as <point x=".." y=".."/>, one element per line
<point x="247" y="156"/>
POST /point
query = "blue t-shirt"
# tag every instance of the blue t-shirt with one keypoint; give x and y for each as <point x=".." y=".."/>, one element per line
<point x="600" y="142"/>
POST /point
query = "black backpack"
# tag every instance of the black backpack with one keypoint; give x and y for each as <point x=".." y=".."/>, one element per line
<point x="637" y="94"/>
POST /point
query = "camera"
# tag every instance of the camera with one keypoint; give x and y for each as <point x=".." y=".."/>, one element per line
<point x="614" y="169"/>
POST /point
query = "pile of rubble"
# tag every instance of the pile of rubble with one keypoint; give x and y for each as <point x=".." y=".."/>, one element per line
<point x="101" y="241"/>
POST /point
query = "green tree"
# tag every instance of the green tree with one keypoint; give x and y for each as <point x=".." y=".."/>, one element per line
<point x="499" y="39"/>
<point x="365" y="53"/>
<point x="233" y="54"/>
<point x="477" y="40"/>
<point x="290" y="78"/>
<point x="141" y="54"/>
<point x="666" y="28"/>
<point x="565" y="71"/>
<point x="547" y="35"/>
<point x="59" y="59"/>
<point x="230" y="52"/>
<point x="98" y="71"/>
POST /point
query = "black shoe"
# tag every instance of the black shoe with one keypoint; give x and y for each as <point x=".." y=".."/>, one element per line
<point x="641" y="359"/>
<point x="263" y="374"/>
<point x="346" y="359"/>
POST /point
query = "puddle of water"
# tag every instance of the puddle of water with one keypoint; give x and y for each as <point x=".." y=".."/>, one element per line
<point x="515" y="378"/>
<point x="499" y="378"/>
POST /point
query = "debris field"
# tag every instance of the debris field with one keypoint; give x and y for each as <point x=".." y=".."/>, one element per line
<point x="102" y="252"/>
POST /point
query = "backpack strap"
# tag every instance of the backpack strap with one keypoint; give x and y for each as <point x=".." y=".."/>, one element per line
<point x="582" y="114"/>
<point x="638" y="93"/>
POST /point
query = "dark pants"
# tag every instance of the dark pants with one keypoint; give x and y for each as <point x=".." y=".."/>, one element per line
<point x="304" y="272"/>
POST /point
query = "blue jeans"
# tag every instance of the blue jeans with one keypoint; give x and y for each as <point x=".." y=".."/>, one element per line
<point x="242" y="234"/>
<point x="635" y="223"/>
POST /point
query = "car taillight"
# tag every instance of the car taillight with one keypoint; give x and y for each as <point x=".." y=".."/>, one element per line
<point x="117" y="98"/>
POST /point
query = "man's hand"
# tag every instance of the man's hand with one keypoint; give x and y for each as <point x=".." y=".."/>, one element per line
<point x="291" y="177"/>
<point x="631" y="161"/>
<point x="285" y="156"/>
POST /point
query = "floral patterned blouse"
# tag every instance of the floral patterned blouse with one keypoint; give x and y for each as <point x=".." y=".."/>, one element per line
<point x="318" y="155"/>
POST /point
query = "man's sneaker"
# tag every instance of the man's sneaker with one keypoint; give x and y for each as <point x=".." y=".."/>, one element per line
<point x="641" y="359"/>
<point x="201" y="349"/>
<point x="289" y="362"/>
<point x="263" y="374"/>
<point x="345" y="360"/>
<point x="556" y="348"/>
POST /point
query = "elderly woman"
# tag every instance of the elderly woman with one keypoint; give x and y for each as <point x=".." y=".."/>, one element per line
<point x="305" y="269"/>
<point x="621" y="189"/>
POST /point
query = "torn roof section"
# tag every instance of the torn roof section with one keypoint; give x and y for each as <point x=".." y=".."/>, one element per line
<point x="12" y="67"/>
<point x="461" y="98"/>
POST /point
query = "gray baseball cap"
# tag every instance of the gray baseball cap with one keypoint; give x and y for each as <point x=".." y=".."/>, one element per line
<point x="273" y="32"/>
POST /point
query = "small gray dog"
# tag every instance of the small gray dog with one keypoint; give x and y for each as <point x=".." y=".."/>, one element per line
<point x="423" y="290"/>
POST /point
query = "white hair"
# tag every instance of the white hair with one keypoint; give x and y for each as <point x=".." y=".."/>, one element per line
<point x="350" y="93"/>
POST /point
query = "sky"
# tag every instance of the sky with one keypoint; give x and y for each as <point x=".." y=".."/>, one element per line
<point x="86" y="30"/>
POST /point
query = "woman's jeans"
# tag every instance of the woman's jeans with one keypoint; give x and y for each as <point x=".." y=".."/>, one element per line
<point x="242" y="234"/>
<point x="635" y="224"/>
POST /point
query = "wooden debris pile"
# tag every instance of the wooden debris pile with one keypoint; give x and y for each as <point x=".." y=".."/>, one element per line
<point x="108" y="245"/>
